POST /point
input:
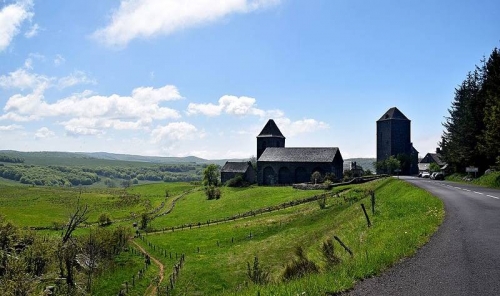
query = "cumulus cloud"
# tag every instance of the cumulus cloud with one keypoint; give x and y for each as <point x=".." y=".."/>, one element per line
<point x="11" y="18"/>
<point x="148" y="18"/>
<point x="293" y="128"/>
<point x="11" y="127"/>
<point x="174" y="131"/>
<point x="88" y="114"/>
<point x="239" y="106"/>
<point x="22" y="79"/>
<point x="43" y="133"/>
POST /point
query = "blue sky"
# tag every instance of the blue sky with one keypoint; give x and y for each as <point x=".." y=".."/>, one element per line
<point x="202" y="77"/>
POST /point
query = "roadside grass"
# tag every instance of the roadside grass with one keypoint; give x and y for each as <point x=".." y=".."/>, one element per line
<point x="404" y="220"/>
<point x="491" y="180"/>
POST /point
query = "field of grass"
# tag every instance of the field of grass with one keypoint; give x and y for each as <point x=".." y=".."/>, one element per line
<point x="43" y="206"/>
<point x="216" y="255"/>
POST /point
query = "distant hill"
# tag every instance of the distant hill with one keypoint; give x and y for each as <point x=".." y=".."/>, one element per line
<point x="102" y="158"/>
<point x="365" y="163"/>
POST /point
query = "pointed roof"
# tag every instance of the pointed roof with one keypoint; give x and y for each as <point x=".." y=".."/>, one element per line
<point x="270" y="130"/>
<point x="393" y="113"/>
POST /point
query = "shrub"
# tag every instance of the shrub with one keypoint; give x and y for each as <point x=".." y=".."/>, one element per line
<point x="300" y="266"/>
<point x="237" y="181"/>
<point x="331" y="177"/>
<point x="316" y="177"/>
<point x="256" y="274"/>
<point x="212" y="192"/>
<point x="322" y="202"/>
<point x="329" y="254"/>
<point x="104" y="219"/>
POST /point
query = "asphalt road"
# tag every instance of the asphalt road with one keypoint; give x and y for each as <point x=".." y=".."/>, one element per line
<point x="462" y="257"/>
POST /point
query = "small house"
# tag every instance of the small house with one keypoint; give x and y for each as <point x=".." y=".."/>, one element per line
<point x="232" y="169"/>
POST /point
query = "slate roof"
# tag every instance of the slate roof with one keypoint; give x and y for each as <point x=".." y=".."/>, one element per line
<point x="393" y="113"/>
<point x="235" y="167"/>
<point x="270" y="130"/>
<point x="273" y="154"/>
<point x="429" y="157"/>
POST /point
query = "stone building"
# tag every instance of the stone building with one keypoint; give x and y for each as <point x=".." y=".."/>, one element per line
<point x="232" y="168"/>
<point x="277" y="164"/>
<point x="394" y="139"/>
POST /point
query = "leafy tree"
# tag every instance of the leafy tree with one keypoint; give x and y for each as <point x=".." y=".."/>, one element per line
<point x="392" y="164"/>
<point x="316" y="177"/>
<point x="434" y="167"/>
<point x="211" y="175"/>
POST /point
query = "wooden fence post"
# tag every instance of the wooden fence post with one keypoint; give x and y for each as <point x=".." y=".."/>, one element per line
<point x="366" y="215"/>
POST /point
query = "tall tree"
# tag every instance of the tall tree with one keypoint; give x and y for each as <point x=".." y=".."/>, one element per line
<point x="490" y="138"/>
<point x="472" y="131"/>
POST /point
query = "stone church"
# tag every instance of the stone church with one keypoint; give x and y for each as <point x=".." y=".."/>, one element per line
<point x="394" y="139"/>
<point x="278" y="165"/>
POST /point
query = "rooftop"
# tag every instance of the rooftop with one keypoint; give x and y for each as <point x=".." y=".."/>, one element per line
<point x="273" y="154"/>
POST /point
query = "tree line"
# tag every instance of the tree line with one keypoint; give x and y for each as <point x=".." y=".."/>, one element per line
<point x="74" y="176"/>
<point x="5" y="158"/>
<point x="472" y="129"/>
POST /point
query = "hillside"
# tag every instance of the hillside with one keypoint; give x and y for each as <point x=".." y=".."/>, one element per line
<point x="102" y="158"/>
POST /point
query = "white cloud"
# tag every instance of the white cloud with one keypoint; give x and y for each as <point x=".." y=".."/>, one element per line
<point x="75" y="78"/>
<point x="11" y="18"/>
<point x="11" y="127"/>
<point x="59" y="60"/>
<point x="239" y="106"/>
<point x="174" y="131"/>
<point x="148" y="18"/>
<point x="22" y="79"/>
<point x="33" y="31"/>
<point x="43" y="133"/>
<point x="293" y="128"/>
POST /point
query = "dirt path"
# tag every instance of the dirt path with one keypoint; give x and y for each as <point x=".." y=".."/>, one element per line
<point x="151" y="290"/>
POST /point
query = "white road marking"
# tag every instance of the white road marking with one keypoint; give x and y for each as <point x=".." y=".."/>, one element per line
<point x="478" y="192"/>
<point x="457" y="187"/>
<point x="493" y="196"/>
<point x="466" y="190"/>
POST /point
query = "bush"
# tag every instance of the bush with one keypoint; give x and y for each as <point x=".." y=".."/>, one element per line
<point x="300" y="266"/>
<point x="212" y="192"/>
<point x="237" y="181"/>
<point x="256" y="274"/>
<point x="329" y="254"/>
<point x="322" y="202"/>
<point x="330" y="177"/>
<point x="316" y="177"/>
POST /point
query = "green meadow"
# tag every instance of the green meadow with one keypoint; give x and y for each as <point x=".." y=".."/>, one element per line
<point x="217" y="253"/>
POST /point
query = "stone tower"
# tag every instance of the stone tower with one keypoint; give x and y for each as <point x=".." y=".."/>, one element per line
<point x="270" y="136"/>
<point x="394" y="138"/>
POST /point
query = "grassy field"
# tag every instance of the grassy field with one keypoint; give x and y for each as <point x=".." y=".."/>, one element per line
<point x="44" y="206"/>
<point x="217" y="254"/>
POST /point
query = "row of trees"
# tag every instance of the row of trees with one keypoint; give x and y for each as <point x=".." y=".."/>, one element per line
<point x="12" y="159"/>
<point x="472" y="130"/>
<point x="73" y="176"/>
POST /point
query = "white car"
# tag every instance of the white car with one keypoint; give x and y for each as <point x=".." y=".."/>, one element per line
<point x="426" y="175"/>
